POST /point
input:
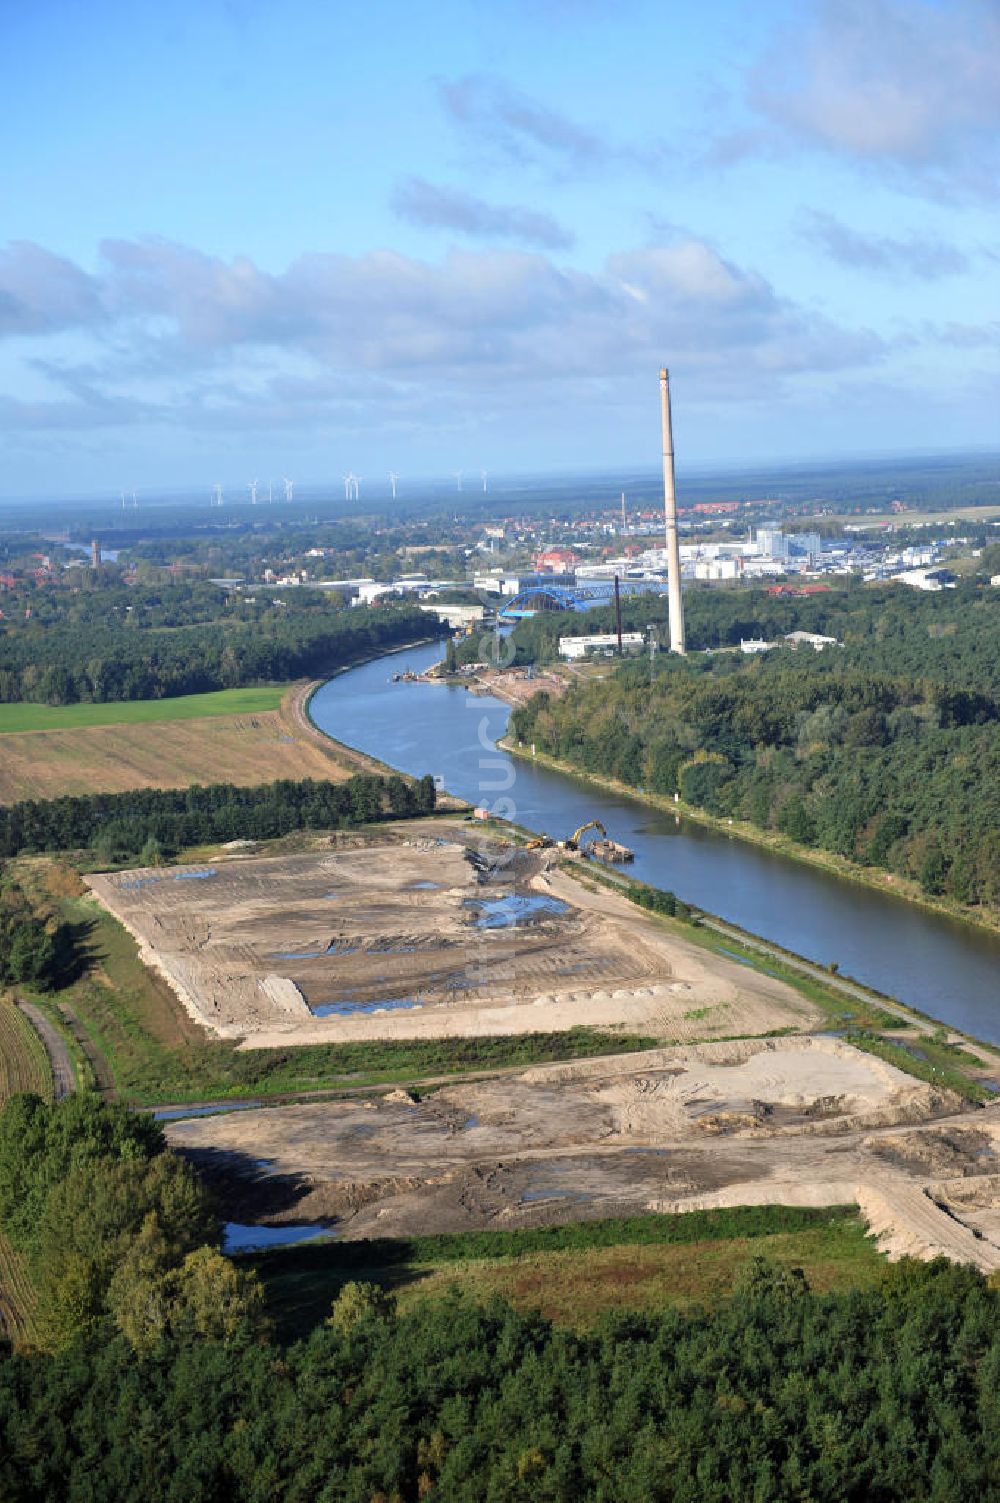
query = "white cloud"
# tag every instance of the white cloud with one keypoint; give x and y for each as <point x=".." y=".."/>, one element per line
<point x="519" y="128"/>
<point x="908" y="86"/>
<point x="180" y="336"/>
<point x="41" y="292"/>
<point x="921" y="256"/>
<point x="436" y="207"/>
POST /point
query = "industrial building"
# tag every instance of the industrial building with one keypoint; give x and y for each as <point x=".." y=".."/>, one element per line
<point x="574" y="648"/>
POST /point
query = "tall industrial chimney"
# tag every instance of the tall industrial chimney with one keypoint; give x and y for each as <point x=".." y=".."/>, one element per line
<point x="675" y="605"/>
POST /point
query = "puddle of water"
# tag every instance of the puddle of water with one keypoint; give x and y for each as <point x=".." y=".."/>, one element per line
<point x="175" y="1113"/>
<point x="424" y="887"/>
<point x="740" y="959"/>
<point x="991" y="1085"/>
<point x="345" y="1009"/>
<point x="238" y="1236"/>
<point x="333" y="948"/>
<point x="513" y="909"/>
<point x="470" y="1122"/>
<point x="913" y="1050"/>
<point x="532" y="1195"/>
<point x="199" y="876"/>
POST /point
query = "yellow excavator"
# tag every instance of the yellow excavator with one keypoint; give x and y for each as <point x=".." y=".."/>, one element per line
<point x="540" y="843"/>
<point x="573" y="843"/>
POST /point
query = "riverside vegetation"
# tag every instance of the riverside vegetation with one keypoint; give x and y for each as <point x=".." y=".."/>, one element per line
<point x="884" y="750"/>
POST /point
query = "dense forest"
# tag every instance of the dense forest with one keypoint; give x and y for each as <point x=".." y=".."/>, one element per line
<point x="101" y="654"/>
<point x="155" y="822"/>
<point x="952" y="637"/>
<point x="157" y="1375"/>
<point x="885" y="750"/>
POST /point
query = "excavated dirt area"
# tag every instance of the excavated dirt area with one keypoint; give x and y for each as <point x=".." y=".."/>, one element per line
<point x="798" y="1120"/>
<point x="428" y="933"/>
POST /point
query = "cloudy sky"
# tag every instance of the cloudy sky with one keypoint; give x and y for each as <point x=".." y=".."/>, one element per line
<point x="296" y="236"/>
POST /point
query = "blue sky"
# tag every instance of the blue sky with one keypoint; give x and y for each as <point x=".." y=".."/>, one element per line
<point x="242" y="238"/>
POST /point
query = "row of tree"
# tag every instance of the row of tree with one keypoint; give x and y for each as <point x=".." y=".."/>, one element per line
<point x="898" y="773"/>
<point x="95" y="661"/>
<point x="159" y="822"/>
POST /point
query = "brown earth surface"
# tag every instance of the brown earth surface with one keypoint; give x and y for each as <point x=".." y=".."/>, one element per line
<point x="721" y="1115"/>
<point x="796" y="1121"/>
<point x="243" y="749"/>
<point x="388" y="934"/>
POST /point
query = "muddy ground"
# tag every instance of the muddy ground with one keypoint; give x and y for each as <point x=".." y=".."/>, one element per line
<point x="802" y="1120"/>
<point x="430" y="932"/>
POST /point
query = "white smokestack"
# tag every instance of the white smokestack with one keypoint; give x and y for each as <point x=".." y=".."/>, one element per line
<point x="675" y="605"/>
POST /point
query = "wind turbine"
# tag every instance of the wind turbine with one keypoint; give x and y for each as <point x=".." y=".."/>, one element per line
<point x="393" y="477"/>
<point x="252" y="488"/>
<point x="288" y="484"/>
<point x="135" y="502"/>
<point x="357" y="487"/>
<point x="123" y="500"/>
<point x="482" y="474"/>
<point x="270" y="492"/>
<point x="216" y="495"/>
<point x="458" y="480"/>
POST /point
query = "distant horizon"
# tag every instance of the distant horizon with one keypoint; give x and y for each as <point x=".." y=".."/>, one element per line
<point x="380" y="485"/>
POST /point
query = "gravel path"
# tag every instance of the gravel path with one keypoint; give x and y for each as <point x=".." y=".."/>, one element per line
<point x="63" y="1074"/>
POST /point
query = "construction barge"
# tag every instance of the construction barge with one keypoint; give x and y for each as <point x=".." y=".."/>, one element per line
<point x="610" y="850"/>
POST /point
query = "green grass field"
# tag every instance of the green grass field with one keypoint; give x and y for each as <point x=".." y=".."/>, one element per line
<point x="575" y="1274"/>
<point x="25" y="717"/>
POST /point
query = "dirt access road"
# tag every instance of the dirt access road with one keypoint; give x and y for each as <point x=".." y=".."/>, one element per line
<point x="63" y="1074"/>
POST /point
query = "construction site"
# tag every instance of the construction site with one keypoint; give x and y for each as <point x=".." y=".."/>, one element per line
<point x="438" y="929"/>
<point x="435" y="930"/>
<point x="793" y="1121"/>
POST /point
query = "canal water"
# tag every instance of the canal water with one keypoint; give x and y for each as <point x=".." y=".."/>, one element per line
<point x="943" y="967"/>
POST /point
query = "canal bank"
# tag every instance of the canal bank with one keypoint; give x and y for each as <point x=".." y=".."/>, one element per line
<point x="729" y="829"/>
<point x="943" y="967"/>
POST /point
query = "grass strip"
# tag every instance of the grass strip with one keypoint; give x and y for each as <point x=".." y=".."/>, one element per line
<point x="931" y="1064"/>
<point x="577" y="1271"/>
<point x="17" y="718"/>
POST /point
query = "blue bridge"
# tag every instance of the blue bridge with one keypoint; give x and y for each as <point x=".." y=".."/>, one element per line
<point x="581" y="597"/>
